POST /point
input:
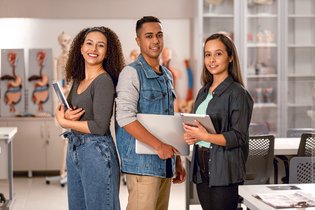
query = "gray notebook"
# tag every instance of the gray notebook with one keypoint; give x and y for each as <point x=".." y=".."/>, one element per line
<point x="167" y="128"/>
<point x="60" y="95"/>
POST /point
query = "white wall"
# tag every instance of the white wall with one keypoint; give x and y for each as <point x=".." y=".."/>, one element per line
<point x="39" y="22"/>
<point x="29" y="33"/>
<point x="96" y="8"/>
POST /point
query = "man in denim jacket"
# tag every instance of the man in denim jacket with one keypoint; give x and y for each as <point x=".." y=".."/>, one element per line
<point x="145" y="86"/>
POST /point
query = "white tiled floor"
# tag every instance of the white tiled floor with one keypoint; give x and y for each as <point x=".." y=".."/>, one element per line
<point x="34" y="194"/>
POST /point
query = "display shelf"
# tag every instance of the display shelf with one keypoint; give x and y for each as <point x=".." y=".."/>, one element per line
<point x="261" y="53"/>
<point x="262" y="15"/>
<point x="211" y="15"/>
<point x="301" y="7"/>
<point x="253" y="45"/>
<point x="276" y="45"/>
<point x="296" y="105"/>
<point x="301" y="45"/>
<point x="265" y="105"/>
<point x="301" y="16"/>
<point x="301" y="76"/>
<point x="271" y="76"/>
<point x="300" y="66"/>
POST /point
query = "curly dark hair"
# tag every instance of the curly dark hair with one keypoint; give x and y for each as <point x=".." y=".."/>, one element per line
<point x="113" y="63"/>
<point x="234" y="68"/>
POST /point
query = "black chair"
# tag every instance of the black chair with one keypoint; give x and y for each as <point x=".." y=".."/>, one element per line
<point x="306" y="148"/>
<point x="259" y="162"/>
<point x="260" y="159"/>
<point x="302" y="170"/>
<point x="262" y="129"/>
<point x="292" y="132"/>
<point x="307" y="145"/>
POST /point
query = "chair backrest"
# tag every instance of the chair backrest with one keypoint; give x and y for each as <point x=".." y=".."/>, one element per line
<point x="258" y="129"/>
<point x="307" y="145"/>
<point x="260" y="159"/>
<point x="297" y="132"/>
<point x="302" y="170"/>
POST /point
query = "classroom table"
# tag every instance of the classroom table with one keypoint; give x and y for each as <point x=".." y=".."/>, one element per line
<point x="249" y="192"/>
<point x="283" y="146"/>
<point x="7" y="134"/>
<point x="286" y="146"/>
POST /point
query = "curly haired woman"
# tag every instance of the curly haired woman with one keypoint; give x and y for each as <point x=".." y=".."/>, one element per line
<point x="94" y="64"/>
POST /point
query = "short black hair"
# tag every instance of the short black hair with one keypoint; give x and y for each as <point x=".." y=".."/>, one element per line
<point x="146" y="19"/>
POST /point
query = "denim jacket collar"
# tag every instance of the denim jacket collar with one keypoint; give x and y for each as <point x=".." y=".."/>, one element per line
<point x="148" y="71"/>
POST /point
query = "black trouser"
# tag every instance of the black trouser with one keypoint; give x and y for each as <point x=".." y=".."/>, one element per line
<point x="214" y="198"/>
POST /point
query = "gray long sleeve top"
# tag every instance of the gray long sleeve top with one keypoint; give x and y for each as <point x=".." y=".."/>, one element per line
<point x="97" y="101"/>
<point x="127" y="89"/>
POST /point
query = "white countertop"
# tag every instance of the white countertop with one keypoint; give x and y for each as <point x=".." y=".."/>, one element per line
<point x="286" y="146"/>
<point x="7" y="132"/>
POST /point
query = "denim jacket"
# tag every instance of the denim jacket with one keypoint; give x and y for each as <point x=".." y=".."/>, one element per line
<point x="156" y="96"/>
<point x="230" y="110"/>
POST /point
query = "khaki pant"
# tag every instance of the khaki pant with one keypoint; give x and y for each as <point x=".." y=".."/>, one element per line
<point x="148" y="192"/>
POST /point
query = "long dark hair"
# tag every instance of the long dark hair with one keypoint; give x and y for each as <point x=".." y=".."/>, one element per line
<point x="113" y="63"/>
<point x="234" y="66"/>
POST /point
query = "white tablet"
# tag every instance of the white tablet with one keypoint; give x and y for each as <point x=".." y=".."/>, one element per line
<point x="167" y="128"/>
<point x="60" y="94"/>
<point x="203" y="119"/>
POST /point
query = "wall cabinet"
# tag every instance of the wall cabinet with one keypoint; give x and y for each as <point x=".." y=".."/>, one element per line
<point x="38" y="145"/>
<point x="300" y="65"/>
<point x="276" y="45"/>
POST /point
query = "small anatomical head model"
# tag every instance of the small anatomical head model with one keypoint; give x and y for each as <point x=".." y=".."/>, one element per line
<point x="12" y="58"/>
<point x="41" y="55"/>
<point x="64" y="41"/>
<point x="166" y="55"/>
<point x="133" y="55"/>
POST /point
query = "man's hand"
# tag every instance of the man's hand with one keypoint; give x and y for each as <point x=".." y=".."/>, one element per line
<point x="165" y="151"/>
<point x="180" y="172"/>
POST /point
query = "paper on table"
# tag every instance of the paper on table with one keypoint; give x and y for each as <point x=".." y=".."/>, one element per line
<point x="288" y="199"/>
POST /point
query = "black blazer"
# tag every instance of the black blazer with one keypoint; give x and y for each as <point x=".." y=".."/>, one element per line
<point x="230" y="110"/>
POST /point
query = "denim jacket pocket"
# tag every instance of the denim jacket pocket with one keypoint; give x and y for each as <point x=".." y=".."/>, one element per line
<point x="153" y="99"/>
<point x="152" y="95"/>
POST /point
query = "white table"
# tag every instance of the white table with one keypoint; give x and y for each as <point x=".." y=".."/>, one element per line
<point x="286" y="146"/>
<point x="249" y="191"/>
<point x="6" y="135"/>
<point x="283" y="146"/>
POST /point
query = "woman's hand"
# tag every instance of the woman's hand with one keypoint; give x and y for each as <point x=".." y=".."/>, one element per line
<point x="194" y="134"/>
<point x="74" y="114"/>
<point x="60" y="115"/>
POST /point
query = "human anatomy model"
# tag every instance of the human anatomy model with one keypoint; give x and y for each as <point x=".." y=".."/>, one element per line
<point x="64" y="41"/>
<point x="166" y="61"/>
<point x="13" y="94"/>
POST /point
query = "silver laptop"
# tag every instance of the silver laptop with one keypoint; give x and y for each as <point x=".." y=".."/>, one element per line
<point x="167" y="128"/>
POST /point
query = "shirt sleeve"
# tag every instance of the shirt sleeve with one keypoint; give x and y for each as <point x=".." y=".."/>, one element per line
<point x="241" y="112"/>
<point x="127" y="96"/>
<point x="103" y="99"/>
